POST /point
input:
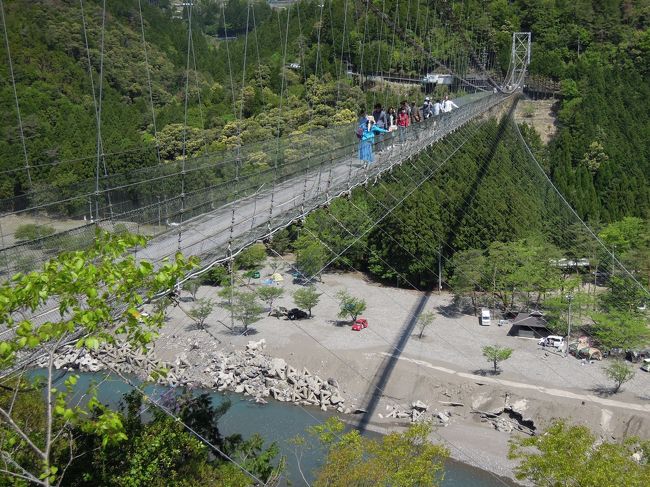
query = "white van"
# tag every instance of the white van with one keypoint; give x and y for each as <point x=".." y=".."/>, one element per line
<point x="485" y="317"/>
<point x="552" y="341"/>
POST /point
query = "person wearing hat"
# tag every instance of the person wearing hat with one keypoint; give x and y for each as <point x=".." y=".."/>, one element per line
<point x="368" y="139"/>
<point x="427" y="108"/>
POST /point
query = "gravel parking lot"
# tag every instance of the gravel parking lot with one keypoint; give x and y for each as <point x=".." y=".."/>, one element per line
<point x="445" y="365"/>
<point x="454" y="340"/>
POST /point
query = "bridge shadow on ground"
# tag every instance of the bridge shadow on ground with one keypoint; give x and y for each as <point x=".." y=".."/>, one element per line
<point x="385" y="369"/>
<point x="468" y="201"/>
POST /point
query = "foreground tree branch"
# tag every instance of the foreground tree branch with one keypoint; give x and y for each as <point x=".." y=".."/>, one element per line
<point x="97" y="293"/>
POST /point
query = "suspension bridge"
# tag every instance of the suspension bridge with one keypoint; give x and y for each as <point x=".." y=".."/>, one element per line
<point x="215" y="205"/>
<point x="173" y="205"/>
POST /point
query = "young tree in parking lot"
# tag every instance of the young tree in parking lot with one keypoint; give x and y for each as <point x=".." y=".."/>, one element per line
<point x="425" y="320"/>
<point x="306" y="297"/>
<point x="192" y="286"/>
<point x="201" y="310"/>
<point x="496" y="354"/>
<point x="570" y="456"/>
<point x="619" y="372"/>
<point x="245" y="308"/>
<point x="268" y="294"/>
<point x="350" y="307"/>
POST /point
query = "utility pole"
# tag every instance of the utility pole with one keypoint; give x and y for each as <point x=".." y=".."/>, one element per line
<point x="439" y="269"/>
<point x="569" y="298"/>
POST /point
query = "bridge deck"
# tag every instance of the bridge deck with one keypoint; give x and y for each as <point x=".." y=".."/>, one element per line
<point x="214" y="235"/>
<point x="216" y="220"/>
<point x="256" y="216"/>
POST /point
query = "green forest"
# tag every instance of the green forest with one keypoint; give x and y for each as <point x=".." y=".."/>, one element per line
<point x="144" y="94"/>
<point x="242" y="91"/>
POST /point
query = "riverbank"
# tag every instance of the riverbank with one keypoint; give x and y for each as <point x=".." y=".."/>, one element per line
<point x="387" y="367"/>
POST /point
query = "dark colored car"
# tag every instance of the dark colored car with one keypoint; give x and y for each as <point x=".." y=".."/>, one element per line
<point x="614" y="352"/>
<point x="297" y="314"/>
<point x="637" y="355"/>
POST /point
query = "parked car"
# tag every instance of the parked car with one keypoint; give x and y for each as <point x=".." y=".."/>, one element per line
<point x="360" y="324"/>
<point x="552" y="341"/>
<point x="297" y="314"/>
<point x="485" y="317"/>
<point x="646" y="365"/>
<point x="637" y="355"/>
<point x="614" y="352"/>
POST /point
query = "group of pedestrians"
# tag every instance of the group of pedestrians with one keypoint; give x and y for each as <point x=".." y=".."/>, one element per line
<point x="383" y="121"/>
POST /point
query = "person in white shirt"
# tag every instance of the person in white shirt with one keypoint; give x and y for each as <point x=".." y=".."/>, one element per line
<point x="437" y="108"/>
<point x="448" y="105"/>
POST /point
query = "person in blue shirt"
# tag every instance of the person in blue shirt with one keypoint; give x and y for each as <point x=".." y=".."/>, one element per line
<point x="368" y="138"/>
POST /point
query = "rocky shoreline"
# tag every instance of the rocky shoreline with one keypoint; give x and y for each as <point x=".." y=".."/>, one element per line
<point x="250" y="372"/>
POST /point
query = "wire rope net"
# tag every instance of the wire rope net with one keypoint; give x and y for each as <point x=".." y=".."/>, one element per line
<point x="421" y="172"/>
<point x="117" y="197"/>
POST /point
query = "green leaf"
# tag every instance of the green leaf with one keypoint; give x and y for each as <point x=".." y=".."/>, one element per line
<point x="92" y="343"/>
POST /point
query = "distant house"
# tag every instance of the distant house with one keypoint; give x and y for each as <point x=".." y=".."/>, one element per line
<point x="530" y="325"/>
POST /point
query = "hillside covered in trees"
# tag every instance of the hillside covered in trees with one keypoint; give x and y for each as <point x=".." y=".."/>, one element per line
<point x="241" y="91"/>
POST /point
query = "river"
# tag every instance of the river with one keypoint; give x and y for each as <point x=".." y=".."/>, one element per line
<point x="280" y="422"/>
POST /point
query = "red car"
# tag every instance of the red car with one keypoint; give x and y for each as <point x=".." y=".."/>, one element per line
<point x="360" y="324"/>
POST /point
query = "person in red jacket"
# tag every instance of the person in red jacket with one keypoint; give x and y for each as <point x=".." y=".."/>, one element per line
<point x="403" y="121"/>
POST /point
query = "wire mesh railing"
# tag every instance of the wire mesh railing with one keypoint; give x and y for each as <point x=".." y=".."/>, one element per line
<point x="263" y="176"/>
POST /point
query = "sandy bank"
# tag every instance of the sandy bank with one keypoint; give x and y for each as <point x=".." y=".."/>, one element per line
<point x="383" y="366"/>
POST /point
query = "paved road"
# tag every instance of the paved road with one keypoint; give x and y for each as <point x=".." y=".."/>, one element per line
<point x="522" y="385"/>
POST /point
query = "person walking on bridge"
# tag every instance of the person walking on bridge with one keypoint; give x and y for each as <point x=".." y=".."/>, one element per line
<point x="437" y="108"/>
<point x="379" y="114"/>
<point x="448" y="105"/>
<point x="403" y="121"/>
<point x="427" y="108"/>
<point x="368" y="139"/>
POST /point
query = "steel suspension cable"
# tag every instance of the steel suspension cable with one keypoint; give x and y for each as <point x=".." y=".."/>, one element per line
<point x="15" y="91"/>
<point x="184" y="149"/>
<point x="148" y="71"/>
<point x="100" y="97"/>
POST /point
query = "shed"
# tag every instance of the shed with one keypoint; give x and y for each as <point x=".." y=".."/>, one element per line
<point x="530" y="325"/>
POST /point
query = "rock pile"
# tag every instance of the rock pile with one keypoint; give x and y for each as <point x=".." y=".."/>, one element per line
<point x="507" y="419"/>
<point x="121" y="358"/>
<point x="252" y="373"/>
<point x="248" y="372"/>
<point x="417" y="411"/>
